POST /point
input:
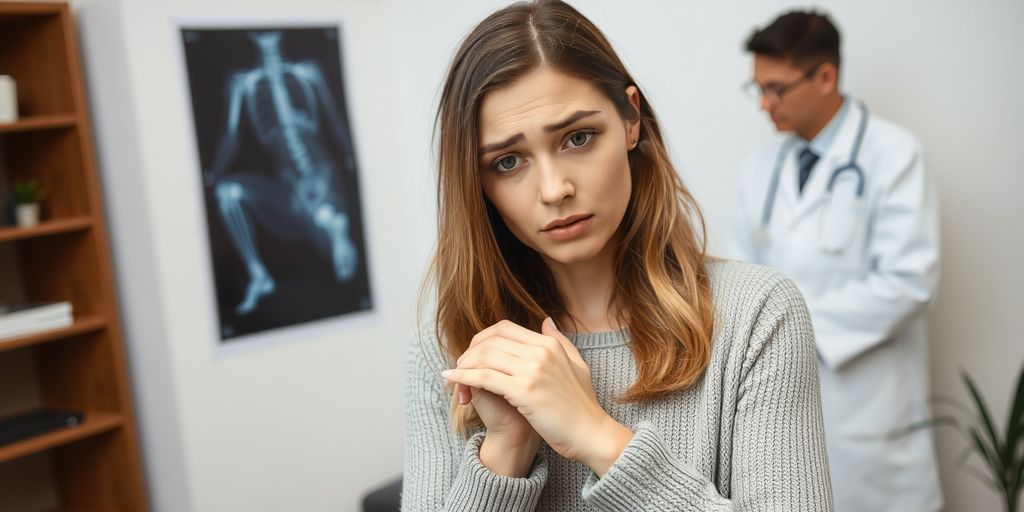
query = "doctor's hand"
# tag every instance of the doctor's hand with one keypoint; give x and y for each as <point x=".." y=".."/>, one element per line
<point x="544" y="377"/>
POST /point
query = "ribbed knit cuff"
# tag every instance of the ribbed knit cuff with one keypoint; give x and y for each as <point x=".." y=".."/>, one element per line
<point x="477" y="489"/>
<point x="647" y="477"/>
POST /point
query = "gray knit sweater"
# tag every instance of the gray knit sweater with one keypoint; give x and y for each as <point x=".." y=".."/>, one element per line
<point x="748" y="436"/>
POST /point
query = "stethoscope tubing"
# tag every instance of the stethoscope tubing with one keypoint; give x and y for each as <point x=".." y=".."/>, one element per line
<point x="851" y="166"/>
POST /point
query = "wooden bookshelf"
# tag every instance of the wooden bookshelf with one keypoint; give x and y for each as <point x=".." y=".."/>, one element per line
<point x="93" y="424"/>
<point x="96" y="465"/>
<point x="83" y="324"/>
<point x="52" y="227"/>
<point x="50" y="122"/>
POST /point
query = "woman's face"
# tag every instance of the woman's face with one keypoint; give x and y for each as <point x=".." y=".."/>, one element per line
<point x="553" y="161"/>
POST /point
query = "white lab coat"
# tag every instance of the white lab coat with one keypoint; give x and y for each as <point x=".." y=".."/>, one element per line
<point x="866" y="304"/>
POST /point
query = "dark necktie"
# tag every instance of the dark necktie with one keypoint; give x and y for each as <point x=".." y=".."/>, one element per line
<point x="807" y="161"/>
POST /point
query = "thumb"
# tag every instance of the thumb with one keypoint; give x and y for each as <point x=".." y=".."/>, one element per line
<point x="548" y="328"/>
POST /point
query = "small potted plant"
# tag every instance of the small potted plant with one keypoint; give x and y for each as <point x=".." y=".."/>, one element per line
<point x="1001" y="451"/>
<point x="26" y="198"/>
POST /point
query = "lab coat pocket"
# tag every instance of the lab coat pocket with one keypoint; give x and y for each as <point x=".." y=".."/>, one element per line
<point x="873" y="396"/>
<point x="839" y="223"/>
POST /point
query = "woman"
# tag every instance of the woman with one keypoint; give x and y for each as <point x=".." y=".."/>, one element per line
<point x="683" y="384"/>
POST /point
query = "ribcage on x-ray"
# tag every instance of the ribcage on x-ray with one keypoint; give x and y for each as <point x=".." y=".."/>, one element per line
<point x="301" y="108"/>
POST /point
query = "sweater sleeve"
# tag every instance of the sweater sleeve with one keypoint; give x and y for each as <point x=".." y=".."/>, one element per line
<point x="443" y="472"/>
<point x="778" y="454"/>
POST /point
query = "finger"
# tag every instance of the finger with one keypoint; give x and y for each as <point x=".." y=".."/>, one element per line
<point x="509" y="330"/>
<point x="512" y="347"/>
<point x="484" y="378"/>
<point x="477" y="343"/>
<point x="462" y="392"/>
<point x="494" y="358"/>
<point x="553" y="340"/>
<point x="548" y="328"/>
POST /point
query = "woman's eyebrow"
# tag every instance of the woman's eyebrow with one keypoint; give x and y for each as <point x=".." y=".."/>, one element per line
<point x="497" y="146"/>
<point x="570" y="120"/>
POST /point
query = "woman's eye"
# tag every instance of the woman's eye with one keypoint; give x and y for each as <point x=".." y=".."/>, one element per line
<point x="578" y="139"/>
<point x="506" y="163"/>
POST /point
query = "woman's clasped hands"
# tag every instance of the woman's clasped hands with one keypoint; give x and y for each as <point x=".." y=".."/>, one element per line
<point x="527" y="386"/>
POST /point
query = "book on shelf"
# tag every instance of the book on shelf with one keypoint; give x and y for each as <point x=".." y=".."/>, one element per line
<point x="29" y="318"/>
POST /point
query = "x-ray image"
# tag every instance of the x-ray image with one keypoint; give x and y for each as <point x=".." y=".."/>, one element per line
<point x="279" y="175"/>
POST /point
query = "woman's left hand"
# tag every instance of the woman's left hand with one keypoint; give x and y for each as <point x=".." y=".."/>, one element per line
<point x="544" y="377"/>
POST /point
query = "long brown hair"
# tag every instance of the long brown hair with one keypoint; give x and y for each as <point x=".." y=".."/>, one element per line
<point x="483" y="274"/>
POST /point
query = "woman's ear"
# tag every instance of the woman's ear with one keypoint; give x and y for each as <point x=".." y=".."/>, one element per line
<point x="633" y="124"/>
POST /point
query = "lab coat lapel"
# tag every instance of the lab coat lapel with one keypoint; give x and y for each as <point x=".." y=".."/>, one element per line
<point x="837" y="155"/>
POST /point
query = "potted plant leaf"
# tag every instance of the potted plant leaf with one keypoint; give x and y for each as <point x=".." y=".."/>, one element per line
<point x="1001" y="453"/>
<point x="26" y="199"/>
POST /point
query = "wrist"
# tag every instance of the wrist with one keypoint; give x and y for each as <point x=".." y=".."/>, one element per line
<point x="509" y="457"/>
<point x="609" y="440"/>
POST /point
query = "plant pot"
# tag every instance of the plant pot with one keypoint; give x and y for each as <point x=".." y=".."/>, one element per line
<point x="27" y="214"/>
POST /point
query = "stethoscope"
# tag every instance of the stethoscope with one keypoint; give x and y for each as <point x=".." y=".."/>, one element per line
<point x="762" y="237"/>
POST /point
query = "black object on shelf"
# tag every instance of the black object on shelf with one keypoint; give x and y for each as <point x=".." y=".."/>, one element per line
<point x="37" y="421"/>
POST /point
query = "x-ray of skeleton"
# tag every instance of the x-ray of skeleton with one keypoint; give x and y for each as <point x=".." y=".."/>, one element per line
<point x="279" y="173"/>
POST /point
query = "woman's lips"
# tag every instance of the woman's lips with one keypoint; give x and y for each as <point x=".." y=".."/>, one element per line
<point x="569" y="231"/>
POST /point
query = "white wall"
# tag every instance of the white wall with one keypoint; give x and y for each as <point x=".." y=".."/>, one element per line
<point x="307" y="418"/>
<point x="947" y="70"/>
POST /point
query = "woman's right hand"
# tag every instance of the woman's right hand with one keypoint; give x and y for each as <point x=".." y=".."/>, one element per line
<point x="510" y="444"/>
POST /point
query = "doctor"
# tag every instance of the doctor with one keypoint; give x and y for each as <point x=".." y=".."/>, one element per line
<point x="840" y="201"/>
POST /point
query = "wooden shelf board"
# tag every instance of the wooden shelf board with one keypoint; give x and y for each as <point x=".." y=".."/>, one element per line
<point x="17" y="10"/>
<point x="34" y="123"/>
<point x="82" y="325"/>
<point x="95" y="423"/>
<point x="8" y="15"/>
<point x="46" y="228"/>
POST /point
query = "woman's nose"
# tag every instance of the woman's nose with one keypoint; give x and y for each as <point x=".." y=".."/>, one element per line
<point x="555" y="184"/>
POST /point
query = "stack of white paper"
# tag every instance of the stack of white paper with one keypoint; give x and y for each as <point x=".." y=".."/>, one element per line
<point x="24" y="319"/>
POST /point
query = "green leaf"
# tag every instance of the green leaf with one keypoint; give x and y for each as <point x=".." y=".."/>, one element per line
<point x="1020" y="478"/>
<point x="944" y="400"/>
<point x="1015" y="424"/>
<point x="963" y="456"/>
<point x="991" y="460"/>
<point x="981" y="477"/>
<point x="1018" y="482"/>
<point x="986" y="420"/>
<point x="26" y="191"/>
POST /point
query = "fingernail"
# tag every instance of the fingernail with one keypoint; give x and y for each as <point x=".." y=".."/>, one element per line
<point x="446" y="373"/>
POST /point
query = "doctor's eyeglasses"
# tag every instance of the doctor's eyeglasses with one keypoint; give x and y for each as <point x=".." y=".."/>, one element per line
<point x="774" y="92"/>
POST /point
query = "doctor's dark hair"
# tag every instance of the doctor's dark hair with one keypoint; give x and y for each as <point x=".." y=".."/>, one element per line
<point x="483" y="274"/>
<point x="805" y="37"/>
